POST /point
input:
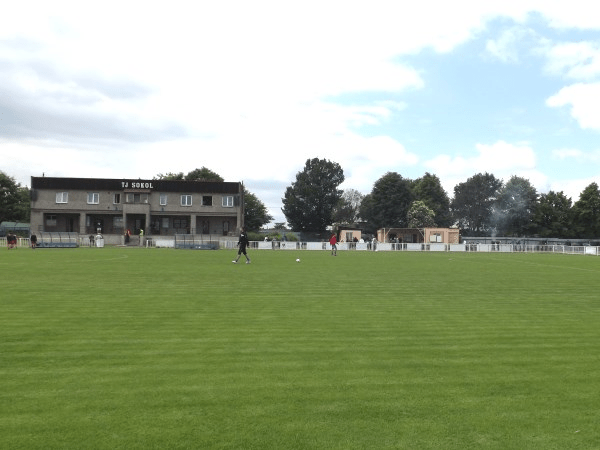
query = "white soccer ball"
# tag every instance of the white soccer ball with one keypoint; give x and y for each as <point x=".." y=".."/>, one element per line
<point x="298" y="260"/>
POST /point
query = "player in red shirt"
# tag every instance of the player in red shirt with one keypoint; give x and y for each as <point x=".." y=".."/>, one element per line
<point x="333" y="242"/>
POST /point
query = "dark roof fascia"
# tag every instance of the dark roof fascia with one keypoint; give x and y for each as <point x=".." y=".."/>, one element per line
<point x="106" y="184"/>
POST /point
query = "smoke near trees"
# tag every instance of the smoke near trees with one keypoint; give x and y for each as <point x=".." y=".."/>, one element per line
<point x="483" y="205"/>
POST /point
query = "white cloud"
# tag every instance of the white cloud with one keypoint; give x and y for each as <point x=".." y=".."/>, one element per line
<point x="501" y="159"/>
<point x="52" y="159"/>
<point x="507" y="46"/>
<point x="498" y="157"/>
<point x="567" y="153"/>
<point x="575" y="60"/>
<point x="572" y="188"/>
<point x="252" y="89"/>
<point x="583" y="99"/>
<point x="582" y="14"/>
<point x="576" y="155"/>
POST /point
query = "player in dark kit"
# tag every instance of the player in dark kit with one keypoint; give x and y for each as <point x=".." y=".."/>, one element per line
<point x="242" y="244"/>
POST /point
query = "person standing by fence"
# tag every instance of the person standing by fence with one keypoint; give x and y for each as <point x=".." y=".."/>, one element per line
<point x="11" y="240"/>
<point x="333" y="243"/>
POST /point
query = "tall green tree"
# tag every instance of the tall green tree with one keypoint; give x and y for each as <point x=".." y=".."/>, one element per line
<point x="429" y="190"/>
<point x="473" y="204"/>
<point x="348" y="208"/>
<point x="586" y="213"/>
<point x="388" y="203"/>
<point x="515" y="206"/>
<point x="552" y="216"/>
<point x="171" y="176"/>
<point x="203" y="174"/>
<point x="367" y="210"/>
<point x="14" y="200"/>
<point x="309" y="202"/>
<point x="420" y="215"/>
<point x="256" y="213"/>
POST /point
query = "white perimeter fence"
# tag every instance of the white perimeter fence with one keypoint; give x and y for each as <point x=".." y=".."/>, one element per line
<point x="379" y="247"/>
<point x="389" y="247"/>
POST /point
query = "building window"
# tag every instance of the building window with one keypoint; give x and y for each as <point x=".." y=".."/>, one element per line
<point x="118" y="222"/>
<point x="207" y="200"/>
<point x="132" y="197"/>
<point x="62" y="197"/>
<point x="165" y="222"/>
<point x="51" y="220"/>
<point x="186" y="200"/>
<point x="228" y="201"/>
<point x="435" y="237"/>
<point x="93" y="198"/>
<point x="117" y="199"/>
<point x="163" y="199"/>
<point x="180" y="223"/>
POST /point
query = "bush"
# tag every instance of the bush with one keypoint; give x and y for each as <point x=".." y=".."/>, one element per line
<point x="254" y="236"/>
<point x="274" y="236"/>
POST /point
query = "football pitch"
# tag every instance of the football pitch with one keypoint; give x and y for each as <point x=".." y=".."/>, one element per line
<point x="134" y="348"/>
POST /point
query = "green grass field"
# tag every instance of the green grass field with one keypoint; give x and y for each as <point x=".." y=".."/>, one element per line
<point x="160" y="348"/>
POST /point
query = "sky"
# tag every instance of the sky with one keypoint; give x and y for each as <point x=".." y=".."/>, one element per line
<point x="251" y="90"/>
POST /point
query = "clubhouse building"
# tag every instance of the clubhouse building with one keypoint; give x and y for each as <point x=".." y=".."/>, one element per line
<point x="114" y="207"/>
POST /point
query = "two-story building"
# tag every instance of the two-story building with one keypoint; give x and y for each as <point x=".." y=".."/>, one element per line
<point x="114" y="206"/>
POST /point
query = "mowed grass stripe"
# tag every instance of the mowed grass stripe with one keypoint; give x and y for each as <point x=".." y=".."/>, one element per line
<point x="138" y="348"/>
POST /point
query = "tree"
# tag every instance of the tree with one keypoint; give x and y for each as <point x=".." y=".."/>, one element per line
<point x="23" y="207"/>
<point x="309" y="202"/>
<point x="203" y="174"/>
<point x="473" y="202"/>
<point x="586" y="212"/>
<point x="388" y="203"/>
<point x="515" y="207"/>
<point x="14" y="200"/>
<point x="170" y="176"/>
<point x="552" y="216"/>
<point x="367" y="212"/>
<point x="420" y="215"/>
<point x="347" y="210"/>
<point x="429" y="190"/>
<point x="255" y="212"/>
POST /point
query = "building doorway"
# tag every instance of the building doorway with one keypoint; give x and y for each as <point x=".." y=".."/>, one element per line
<point x="98" y="225"/>
<point x="140" y="224"/>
